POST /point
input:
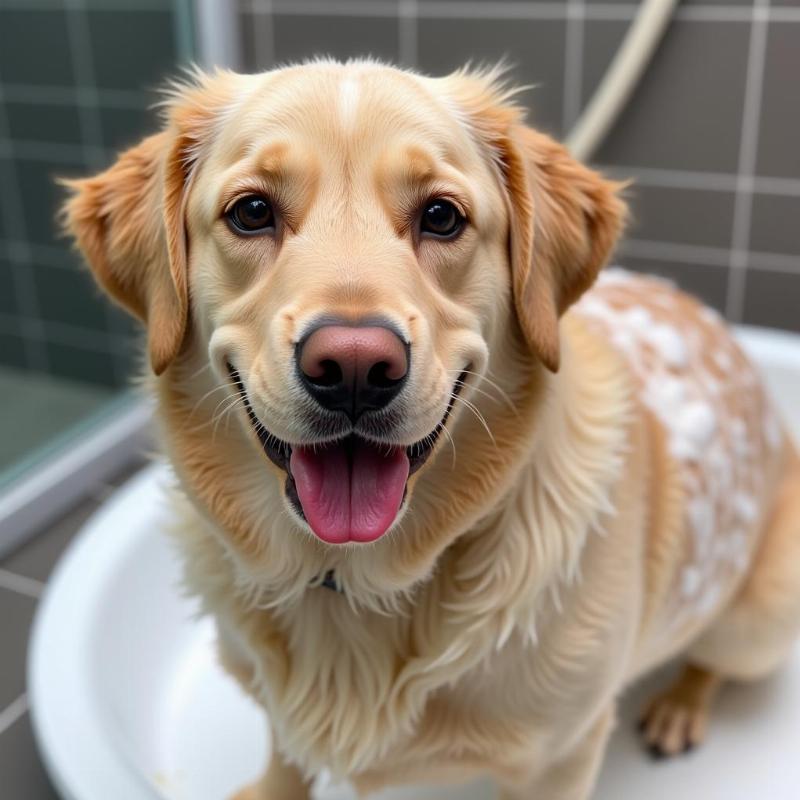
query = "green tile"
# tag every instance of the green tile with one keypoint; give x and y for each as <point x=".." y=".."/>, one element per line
<point x="38" y="407"/>
<point x="38" y="122"/>
<point x="78" y="364"/>
<point x="132" y="49"/>
<point x="124" y="127"/>
<point x="34" y="48"/>
<point x="41" y="197"/>
<point x="8" y="294"/>
<point x="12" y="350"/>
<point x="70" y="295"/>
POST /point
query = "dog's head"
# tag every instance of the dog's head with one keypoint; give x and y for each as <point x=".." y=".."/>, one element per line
<point x="350" y="248"/>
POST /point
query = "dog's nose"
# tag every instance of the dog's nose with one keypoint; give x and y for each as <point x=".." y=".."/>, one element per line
<point x="353" y="369"/>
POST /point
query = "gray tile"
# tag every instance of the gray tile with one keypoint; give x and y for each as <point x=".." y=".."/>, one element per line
<point x="303" y="37"/>
<point x="37" y="122"/>
<point x="125" y="127"/>
<point x="132" y="49"/>
<point x="686" y="112"/>
<point x="23" y="776"/>
<point x="708" y="283"/>
<point x="16" y="615"/>
<point x="90" y="366"/>
<point x="685" y="216"/>
<point x="778" y="151"/>
<point x="534" y="48"/>
<point x="601" y="39"/>
<point x="37" y="557"/>
<point x="776" y="224"/>
<point x="34" y="48"/>
<point x="12" y="350"/>
<point x="40" y="196"/>
<point x="772" y="299"/>
<point x="70" y="295"/>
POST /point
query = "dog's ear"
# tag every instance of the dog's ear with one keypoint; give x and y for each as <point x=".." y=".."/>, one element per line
<point x="565" y="222"/>
<point x="129" y="221"/>
<point x="564" y="218"/>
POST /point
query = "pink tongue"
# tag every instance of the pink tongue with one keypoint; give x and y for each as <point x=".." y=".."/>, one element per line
<point x="350" y="496"/>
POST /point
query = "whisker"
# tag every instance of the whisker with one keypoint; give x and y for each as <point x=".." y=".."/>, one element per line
<point x="491" y="383"/>
<point x="477" y="415"/>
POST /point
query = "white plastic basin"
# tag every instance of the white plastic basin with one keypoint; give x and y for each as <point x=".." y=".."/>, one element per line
<point x="128" y="702"/>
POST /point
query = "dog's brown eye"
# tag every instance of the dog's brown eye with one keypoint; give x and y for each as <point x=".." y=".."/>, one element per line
<point x="441" y="218"/>
<point x="252" y="214"/>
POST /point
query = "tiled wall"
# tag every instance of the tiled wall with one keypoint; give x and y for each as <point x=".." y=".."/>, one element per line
<point x="74" y="80"/>
<point x="712" y="135"/>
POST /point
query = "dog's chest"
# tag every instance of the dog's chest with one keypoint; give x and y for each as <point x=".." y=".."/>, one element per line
<point x="718" y="425"/>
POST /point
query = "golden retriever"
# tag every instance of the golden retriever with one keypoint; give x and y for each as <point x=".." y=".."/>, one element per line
<point x="442" y="509"/>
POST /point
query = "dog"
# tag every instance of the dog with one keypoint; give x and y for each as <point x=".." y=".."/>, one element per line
<point x="445" y="491"/>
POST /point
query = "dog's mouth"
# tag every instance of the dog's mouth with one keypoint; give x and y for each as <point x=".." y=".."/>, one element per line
<point x="351" y="489"/>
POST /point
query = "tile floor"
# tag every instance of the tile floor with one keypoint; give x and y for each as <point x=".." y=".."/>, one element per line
<point x="23" y="575"/>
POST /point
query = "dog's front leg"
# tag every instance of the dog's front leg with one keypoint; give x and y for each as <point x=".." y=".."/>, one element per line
<point x="282" y="781"/>
<point x="574" y="775"/>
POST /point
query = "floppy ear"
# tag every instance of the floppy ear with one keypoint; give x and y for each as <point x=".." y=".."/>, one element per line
<point x="565" y="222"/>
<point x="129" y="221"/>
<point x="564" y="218"/>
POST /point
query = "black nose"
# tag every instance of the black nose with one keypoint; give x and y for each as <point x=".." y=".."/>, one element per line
<point x="353" y="369"/>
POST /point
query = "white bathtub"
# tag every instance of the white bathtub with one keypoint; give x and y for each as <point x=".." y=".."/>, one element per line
<point x="128" y="702"/>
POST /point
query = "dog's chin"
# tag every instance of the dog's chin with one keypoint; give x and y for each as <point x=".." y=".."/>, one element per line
<point x="351" y="489"/>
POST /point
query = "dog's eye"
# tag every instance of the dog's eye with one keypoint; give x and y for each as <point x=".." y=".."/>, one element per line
<point x="252" y="214"/>
<point x="442" y="219"/>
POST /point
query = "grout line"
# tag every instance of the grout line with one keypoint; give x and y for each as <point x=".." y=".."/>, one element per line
<point x="64" y="333"/>
<point x="748" y="155"/>
<point x="126" y="6"/>
<point x="675" y="251"/>
<point x="262" y="34"/>
<point x="91" y="124"/>
<point x="512" y="9"/>
<point x="326" y="8"/>
<point x="13" y="712"/>
<point x="12" y="221"/>
<point x="573" y="63"/>
<point x="704" y="181"/>
<point x="20" y="584"/>
<point x="407" y="31"/>
<point x="67" y="96"/>
<point x="757" y="261"/>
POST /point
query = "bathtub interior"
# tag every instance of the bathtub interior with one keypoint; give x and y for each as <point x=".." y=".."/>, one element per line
<point x="126" y="708"/>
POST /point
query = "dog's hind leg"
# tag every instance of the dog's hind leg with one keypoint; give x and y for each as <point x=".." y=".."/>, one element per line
<point x="749" y="640"/>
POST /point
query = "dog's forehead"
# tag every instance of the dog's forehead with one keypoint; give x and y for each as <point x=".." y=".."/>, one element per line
<point x="343" y="108"/>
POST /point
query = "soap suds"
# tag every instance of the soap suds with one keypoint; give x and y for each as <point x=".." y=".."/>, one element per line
<point x="718" y="423"/>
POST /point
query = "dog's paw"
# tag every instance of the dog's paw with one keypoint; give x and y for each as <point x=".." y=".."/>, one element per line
<point x="676" y="721"/>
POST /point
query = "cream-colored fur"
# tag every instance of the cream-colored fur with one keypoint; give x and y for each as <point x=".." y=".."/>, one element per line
<point x="548" y="552"/>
